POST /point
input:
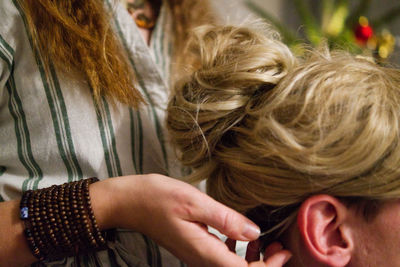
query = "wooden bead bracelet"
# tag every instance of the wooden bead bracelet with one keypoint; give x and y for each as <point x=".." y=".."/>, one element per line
<point x="59" y="221"/>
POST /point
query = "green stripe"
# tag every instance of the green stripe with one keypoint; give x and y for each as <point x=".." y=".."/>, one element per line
<point x="116" y="161"/>
<point x="170" y="51"/>
<point x="133" y="143"/>
<point x="72" y="159"/>
<point x="18" y="134"/>
<point x="162" y="47"/>
<point x="155" y="39"/>
<point x="25" y="183"/>
<point x="158" y="42"/>
<point x="140" y="80"/>
<point x="49" y="95"/>
<point x="7" y="53"/>
<point x="22" y="133"/>
<point x="56" y="125"/>
<point x="37" y="59"/>
<point x="104" y="139"/>
<point x="140" y="142"/>
<point x="108" y="138"/>
<point x="7" y="46"/>
<point x="137" y="161"/>
<point x="6" y="59"/>
<point x="2" y="170"/>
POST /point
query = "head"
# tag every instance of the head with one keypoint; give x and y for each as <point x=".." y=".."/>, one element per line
<point x="307" y="148"/>
<point x="78" y="37"/>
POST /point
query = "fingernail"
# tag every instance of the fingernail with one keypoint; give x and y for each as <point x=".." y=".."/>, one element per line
<point x="251" y="231"/>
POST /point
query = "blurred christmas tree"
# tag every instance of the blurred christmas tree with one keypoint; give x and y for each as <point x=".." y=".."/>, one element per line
<point x="342" y="24"/>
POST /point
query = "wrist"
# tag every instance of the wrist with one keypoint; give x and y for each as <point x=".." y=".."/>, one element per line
<point x="125" y="202"/>
<point x="118" y="202"/>
<point x="103" y="205"/>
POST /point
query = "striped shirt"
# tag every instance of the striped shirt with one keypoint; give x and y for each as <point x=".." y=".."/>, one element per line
<point x="51" y="132"/>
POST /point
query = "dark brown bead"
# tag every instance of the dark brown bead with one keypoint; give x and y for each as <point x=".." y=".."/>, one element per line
<point x="69" y="224"/>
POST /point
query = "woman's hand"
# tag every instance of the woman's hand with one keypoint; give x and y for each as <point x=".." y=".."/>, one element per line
<point x="174" y="214"/>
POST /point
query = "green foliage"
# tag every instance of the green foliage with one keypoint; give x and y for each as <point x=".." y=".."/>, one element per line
<point x="335" y="26"/>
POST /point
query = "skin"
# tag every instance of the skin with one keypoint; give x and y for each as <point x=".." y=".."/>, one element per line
<point x="330" y="234"/>
<point x="179" y="215"/>
<point x="378" y="240"/>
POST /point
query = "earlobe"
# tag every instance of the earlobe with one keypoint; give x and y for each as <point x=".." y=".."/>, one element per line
<point x="324" y="230"/>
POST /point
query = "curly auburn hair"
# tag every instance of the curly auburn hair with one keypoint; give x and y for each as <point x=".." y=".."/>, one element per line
<point x="76" y="35"/>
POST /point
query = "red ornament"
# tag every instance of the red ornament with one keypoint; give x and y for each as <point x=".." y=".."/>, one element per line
<point x="363" y="33"/>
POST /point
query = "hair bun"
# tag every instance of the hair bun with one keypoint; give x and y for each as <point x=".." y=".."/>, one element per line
<point x="236" y="65"/>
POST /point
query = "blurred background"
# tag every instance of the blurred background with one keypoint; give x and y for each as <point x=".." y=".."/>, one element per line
<point x="368" y="27"/>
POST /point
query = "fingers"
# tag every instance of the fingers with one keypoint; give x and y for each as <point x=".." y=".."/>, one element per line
<point x="225" y="220"/>
<point x="192" y="205"/>
<point x="205" y="250"/>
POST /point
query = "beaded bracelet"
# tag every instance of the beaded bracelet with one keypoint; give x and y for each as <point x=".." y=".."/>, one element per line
<point x="59" y="221"/>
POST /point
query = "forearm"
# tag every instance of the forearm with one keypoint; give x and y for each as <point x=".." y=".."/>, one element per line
<point x="14" y="250"/>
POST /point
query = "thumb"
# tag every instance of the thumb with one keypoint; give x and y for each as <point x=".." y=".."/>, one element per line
<point x="226" y="220"/>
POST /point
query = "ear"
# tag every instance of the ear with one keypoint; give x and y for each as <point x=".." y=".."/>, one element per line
<point x="322" y="225"/>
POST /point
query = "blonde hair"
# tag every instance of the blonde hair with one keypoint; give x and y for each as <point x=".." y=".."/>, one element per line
<point x="264" y="129"/>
